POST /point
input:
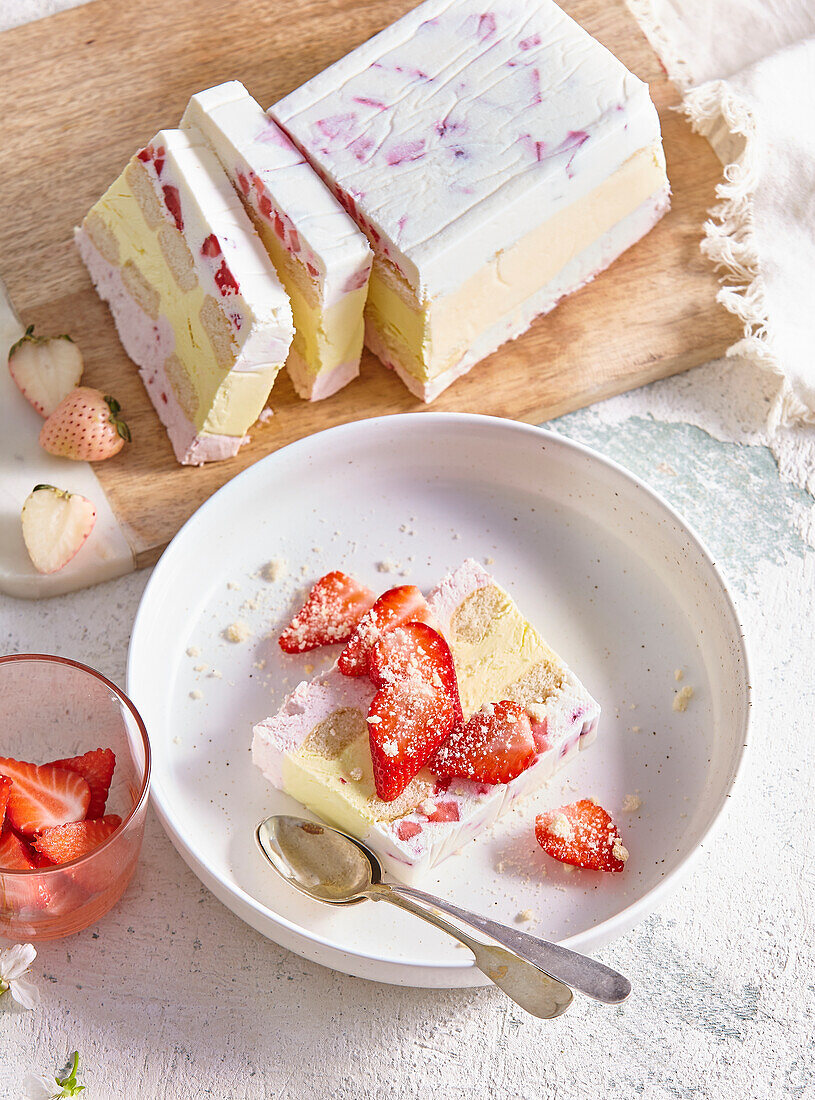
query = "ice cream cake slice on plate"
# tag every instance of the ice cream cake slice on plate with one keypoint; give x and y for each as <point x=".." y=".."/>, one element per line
<point x="317" y="748"/>
<point x="497" y="156"/>
<point x="322" y="258"/>
<point x="196" y="300"/>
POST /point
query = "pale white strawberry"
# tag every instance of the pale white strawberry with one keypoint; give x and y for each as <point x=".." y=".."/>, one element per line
<point x="56" y="524"/>
<point x="85" y="425"/>
<point x="45" y="368"/>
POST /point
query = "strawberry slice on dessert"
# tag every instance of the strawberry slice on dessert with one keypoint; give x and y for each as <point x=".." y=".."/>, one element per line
<point x="96" y="768"/>
<point x="43" y="795"/>
<point x="334" y="607"/>
<point x="495" y="746"/>
<point x="66" y="842"/>
<point x="416" y="707"/>
<point x="403" y="604"/>
<point x="582" y="834"/>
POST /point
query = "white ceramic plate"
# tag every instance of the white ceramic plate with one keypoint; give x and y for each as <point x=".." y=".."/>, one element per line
<point x="610" y="574"/>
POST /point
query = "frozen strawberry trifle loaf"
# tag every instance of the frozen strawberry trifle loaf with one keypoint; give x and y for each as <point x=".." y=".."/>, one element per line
<point x="196" y="300"/>
<point x="497" y="156"/>
<point x="436" y="717"/>
<point x="322" y="258"/>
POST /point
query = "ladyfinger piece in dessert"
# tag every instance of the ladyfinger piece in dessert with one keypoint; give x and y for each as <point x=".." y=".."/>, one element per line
<point x="321" y="257"/>
<point x="498" y="158"/>
<point x="196" y="300"/>
<point x="317" y="747"/>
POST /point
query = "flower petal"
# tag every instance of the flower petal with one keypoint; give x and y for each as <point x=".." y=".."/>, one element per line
<point x="39" y="1087"/>
<point x="25" y="993"/>
<point x="15" y="960"/>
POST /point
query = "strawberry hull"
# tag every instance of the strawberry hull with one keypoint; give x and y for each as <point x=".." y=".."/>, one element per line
<point x="316" y="747"/>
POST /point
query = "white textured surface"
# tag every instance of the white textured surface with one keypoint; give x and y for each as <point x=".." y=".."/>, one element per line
<point x="172" y="997"/>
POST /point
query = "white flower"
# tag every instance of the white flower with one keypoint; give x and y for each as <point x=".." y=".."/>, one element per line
<point x="14" y="962"/>
<point x="41" y="1086"/>
<point x="47" y="1086"/>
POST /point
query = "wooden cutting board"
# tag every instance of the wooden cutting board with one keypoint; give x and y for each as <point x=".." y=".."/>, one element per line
<point x="82" y="90"/>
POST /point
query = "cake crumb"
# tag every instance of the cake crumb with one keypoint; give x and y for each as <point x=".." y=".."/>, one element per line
<point x="560" y="826"/>
<point x="525" y="915"/>
<point x="200" y="668"/>
<point x="428" y="807"/>
<point x="499" y="867"/>
<point x="387" y="566"/>
<point x="233" y="586"/>
<point x="176" y="740"/>
<point x="568" y="869"/>
<point x="237" y="631"/>
<point x="489" y="561"/>
<point x="390" y="748"/>
<point x="619" y="850"/>
<point x="193" y="651"/>
<point x="196" y="694"/>
<point x="374" y="720"/>
<point x="678" y="674"/>
<point x="215" y="674"/>
<point x="631" y="803"/>
<point x="273" y="570"/>
<point x="636" y="729"/>
<point x="308" y="669"/>
<point x="682" y="698"/>
<point x="355" y="774"/>
<point x="266" y="415"/>
<point x="260" y="665"/>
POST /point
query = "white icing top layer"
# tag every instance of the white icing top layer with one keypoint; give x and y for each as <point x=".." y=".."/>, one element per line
<point x="230" y="260"/>
<point x="461" y="126"/>
<point x="282" y="188"/>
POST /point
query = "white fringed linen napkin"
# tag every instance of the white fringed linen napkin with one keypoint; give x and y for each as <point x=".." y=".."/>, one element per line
<point x="748" y="71"/>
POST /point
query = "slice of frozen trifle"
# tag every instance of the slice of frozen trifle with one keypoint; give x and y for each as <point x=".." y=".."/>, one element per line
<point x="437" y="716"/>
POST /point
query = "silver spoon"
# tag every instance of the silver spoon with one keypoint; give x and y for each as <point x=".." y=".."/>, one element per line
<point x="331" y="866"/>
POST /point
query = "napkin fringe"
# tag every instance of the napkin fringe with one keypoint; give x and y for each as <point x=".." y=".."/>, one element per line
<point x="726" y="120"/>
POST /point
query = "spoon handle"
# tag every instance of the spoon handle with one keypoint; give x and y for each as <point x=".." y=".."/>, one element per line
<point x="578" y="971"/>
<point x="522" y="981"/>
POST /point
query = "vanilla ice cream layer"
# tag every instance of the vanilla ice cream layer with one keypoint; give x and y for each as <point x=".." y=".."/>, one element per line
<point x="316" y="748"/>
<point x="196" y="300"/>
<point x="430" y="339"/>
<point x="320" y="255"/>
<point x="458" y="128"/>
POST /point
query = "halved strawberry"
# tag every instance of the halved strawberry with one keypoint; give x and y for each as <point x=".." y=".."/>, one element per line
<point x="96" y="768"/>
<point x="495" y="746"/>
<point x="56" y="524"/>
<point x="334" y="606"/>
<point x="66" y="842"/>
<point x="5" y="787"/>
<point x="14" y="853"/>
<point x="416" y="708"/>
<point x="43" y="796"/>
<point x="402" y="604"/>
<point x="45" y="368"/>
<point x="582" y="834"/>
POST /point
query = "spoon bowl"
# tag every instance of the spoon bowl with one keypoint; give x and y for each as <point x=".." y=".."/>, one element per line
<point x="321" y="862"/>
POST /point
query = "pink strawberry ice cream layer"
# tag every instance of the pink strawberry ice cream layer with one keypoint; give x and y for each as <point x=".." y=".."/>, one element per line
<point x="457" y="810"/>
<point x="148" y="343"/>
